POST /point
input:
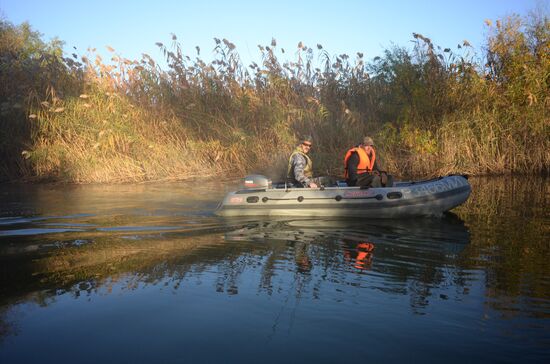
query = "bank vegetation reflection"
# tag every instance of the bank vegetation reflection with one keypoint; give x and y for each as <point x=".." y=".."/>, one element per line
<point x="407" y="257"/>
<point x="496" y="240"/>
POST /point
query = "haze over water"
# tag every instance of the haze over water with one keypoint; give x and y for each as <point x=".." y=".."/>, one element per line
<point x="147" y="273"/>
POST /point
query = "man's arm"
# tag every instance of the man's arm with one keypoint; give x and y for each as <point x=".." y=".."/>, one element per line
<point x="299" y="165"/>
<point x="353" y="162"/>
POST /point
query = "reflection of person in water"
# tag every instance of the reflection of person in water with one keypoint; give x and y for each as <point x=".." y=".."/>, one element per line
<point x="364" y="255"/>
<point x="359" y="253"/>
<point x="303" y="263"/>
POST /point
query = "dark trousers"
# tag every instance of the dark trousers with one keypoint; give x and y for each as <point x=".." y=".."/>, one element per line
<point x="373" y="180"/>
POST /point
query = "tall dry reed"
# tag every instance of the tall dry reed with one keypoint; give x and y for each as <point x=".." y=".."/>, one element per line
<point x="431" y="110"/>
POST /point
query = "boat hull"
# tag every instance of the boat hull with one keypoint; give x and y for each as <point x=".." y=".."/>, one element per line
<point x="405" y="199"/>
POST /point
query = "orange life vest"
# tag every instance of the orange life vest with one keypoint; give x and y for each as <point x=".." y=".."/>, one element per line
<point x="364" y="255"/>
<point x="365" y="163"/>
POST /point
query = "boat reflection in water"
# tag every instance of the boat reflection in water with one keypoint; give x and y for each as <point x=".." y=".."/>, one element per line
<point x="400" y="255"/>
<point x="86" y="261"/>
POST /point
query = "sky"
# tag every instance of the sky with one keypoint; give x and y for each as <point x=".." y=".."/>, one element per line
<point x="132" y="27"/>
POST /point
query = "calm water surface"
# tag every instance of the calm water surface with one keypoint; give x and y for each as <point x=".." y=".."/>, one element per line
<point x="147" y="273"/>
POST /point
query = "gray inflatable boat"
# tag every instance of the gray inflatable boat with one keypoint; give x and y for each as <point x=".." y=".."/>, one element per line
<point x="405" y="199"/>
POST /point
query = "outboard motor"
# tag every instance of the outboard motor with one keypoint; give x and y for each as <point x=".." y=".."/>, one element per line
<point x="256" y="181"/>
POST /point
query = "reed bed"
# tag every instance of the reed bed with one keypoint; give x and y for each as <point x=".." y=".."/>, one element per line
<point x="431" y="110"/>
<point x="492" y="199"/>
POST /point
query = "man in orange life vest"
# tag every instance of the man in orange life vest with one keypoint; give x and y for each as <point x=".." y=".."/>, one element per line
<point x="362" y="168"/>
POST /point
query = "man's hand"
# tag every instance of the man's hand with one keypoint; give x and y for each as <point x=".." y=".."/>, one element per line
<point x="312" y="185"/>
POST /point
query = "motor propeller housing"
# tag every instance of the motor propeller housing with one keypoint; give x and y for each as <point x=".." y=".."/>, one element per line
<point x="256" y="181"/>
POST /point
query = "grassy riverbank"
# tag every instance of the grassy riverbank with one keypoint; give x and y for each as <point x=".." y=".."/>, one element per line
<point x="431" y="110"/>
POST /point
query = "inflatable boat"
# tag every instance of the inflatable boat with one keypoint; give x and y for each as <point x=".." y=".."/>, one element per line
<point x="259" y="197"/>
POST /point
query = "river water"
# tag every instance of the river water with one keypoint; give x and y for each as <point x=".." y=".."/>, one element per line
<point x="147" y="273"/>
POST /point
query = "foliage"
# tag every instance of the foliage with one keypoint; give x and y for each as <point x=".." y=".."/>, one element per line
<point x="431" y="110"/>
<point x="29" y="70"/>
